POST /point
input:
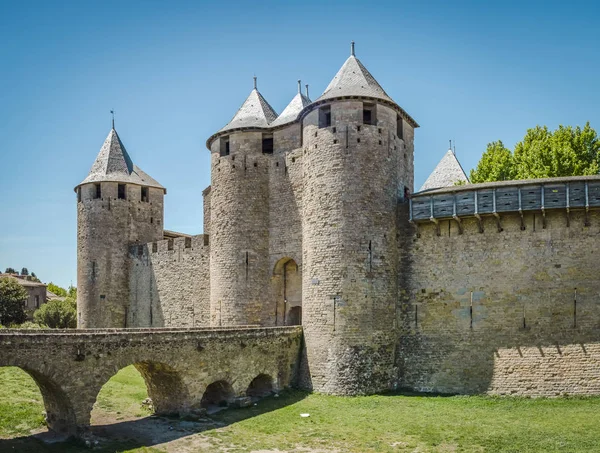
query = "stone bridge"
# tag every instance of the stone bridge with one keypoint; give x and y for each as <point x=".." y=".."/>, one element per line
<point x="183" y="368"/>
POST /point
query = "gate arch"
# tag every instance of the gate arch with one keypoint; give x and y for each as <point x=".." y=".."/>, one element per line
<point x="287" y="289"/>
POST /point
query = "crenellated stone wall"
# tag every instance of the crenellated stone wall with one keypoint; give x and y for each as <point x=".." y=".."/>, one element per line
<point x="170" y="283"/>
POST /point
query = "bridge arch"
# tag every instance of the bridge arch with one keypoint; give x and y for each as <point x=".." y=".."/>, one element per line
<point x="287" y="290"/>
<point x="60" y="413"/>
<point x="217" y="394"/>
<point x="164" y="384"/>
<point x="260" y="387"/>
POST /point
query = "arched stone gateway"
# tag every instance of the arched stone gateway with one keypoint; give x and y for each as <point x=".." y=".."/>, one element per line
<point x="182" y="368"/>
<point x="287" y="287"/>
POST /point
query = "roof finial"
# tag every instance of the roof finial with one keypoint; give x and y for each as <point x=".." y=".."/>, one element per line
<point x="450" y="146"/>
<point x="352" y="48"/>
<point x="307" y="91"/>
<point x="299" y="86"/>
<point x="112" y="111"/>
<point x="255" y="82"/>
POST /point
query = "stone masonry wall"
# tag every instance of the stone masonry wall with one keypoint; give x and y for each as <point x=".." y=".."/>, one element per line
<point x="239" y="271"/>
<point x="509" y="312"/>
<point x="106" y="226"/>
<point x="350" y="193"/>
<point x="170" y="284"/>
<point x="285" y="224"/>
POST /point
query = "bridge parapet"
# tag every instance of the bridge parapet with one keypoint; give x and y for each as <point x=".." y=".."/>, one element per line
<point x="70" y="367"/>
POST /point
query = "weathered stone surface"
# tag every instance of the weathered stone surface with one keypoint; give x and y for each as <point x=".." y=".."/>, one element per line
<point x="510" y="312"/>
<point x="178" y="365"/>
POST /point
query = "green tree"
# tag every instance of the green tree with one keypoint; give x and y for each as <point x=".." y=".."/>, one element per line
<point x="12" y="298"/>
<point x="73" y="292"/>
<point x="496" y="164"/>
<point x="61" y="292"/>
<point x="566" y="151"/>
<point x="57" y="314"/>
<point x="10" y="270"/>
<point x="24" y="271"/>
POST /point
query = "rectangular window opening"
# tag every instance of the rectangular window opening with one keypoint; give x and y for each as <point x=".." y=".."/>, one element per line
<point x="144" y="196"/>
<point x="98" y="193"/>
<point x="399" y="127"/>
<point x="325" y="116"/>
<point x="37" y="301"/>
<point x="267" y="144"/>
<point x="224" y="146"/>
<point x="121" y="192"/>
<point x="369" y="114"/>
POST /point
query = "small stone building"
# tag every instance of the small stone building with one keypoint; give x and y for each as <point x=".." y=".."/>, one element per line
<point x="36" y="292"/>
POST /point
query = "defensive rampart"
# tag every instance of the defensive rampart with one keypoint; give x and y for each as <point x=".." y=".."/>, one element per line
<point x="169" y="283"/>
<point x="502" y="289"/>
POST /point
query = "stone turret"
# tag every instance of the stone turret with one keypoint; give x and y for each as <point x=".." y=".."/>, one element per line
<point x="117" y="205"/>
<point x="358" y="166"/>
<point x="447" y="173"/>
<point x="239" y="224"/>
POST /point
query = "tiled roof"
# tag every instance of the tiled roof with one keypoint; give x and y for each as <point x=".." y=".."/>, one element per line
<point x="114" y="164"/>
<point x="23" y="280"/>
<point x="254" y="112"/>
<point x="446" y="173"/>
<point x="353" y="79"/>
<point x="290" y="113"/>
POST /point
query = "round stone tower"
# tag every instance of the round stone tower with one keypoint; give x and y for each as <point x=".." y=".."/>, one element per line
<point x="357" y="164"/>
<point x="239" y="239"/>
<point x="118" y="205"/>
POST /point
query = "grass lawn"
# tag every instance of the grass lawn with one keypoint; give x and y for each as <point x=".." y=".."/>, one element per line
<point x="336" y="424"/>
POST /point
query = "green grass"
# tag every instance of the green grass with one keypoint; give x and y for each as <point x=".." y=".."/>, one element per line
<point x="122" y="395"/>
<point x="364" y="424"/>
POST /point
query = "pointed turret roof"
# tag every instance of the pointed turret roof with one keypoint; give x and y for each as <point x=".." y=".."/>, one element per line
<point x="446" y="173"/>
<point x="254" y="112"/>
<point x="114" y="164"/>
<point x="290" y="113"/>
<point x="353" y="79"/>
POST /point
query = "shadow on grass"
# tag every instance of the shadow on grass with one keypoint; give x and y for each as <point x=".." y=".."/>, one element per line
<point x="144" y="432"/>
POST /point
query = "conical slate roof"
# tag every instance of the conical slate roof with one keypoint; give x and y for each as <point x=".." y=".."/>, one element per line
<point x="353" y="79"/>
<point x="446" y="173"/>
<point x="254" y="112"/>
<point x="114" y="164"/>
<point x="290" y="113"/>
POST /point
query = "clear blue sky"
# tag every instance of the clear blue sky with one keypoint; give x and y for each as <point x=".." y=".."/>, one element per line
<point x="175" y="72"/>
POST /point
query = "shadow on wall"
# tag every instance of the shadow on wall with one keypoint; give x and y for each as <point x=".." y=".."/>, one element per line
<point x="149" y="431"/>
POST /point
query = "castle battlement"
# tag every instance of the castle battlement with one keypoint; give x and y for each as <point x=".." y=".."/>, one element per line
<point x="183" y="243"/>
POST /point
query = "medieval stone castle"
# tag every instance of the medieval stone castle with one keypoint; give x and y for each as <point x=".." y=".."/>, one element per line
<point x="311" y="220"/>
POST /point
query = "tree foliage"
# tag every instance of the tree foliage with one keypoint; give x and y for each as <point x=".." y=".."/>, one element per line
<point x="496" y="164"/>
<point x="57" y="314"/>
<point x="61" y="292"/>
<point x="12" y="298"/>
<point x="566" y="151"/>
<point x="10" y="270"/>
<point x="24" y="271"/>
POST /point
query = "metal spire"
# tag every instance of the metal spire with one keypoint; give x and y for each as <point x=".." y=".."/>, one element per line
<point x="352" y="48"/>
<point x="113" y="118"/>
<point x="307" y="91"/>
<point x="299" y="86"/>
<point x="255" y="82"/>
